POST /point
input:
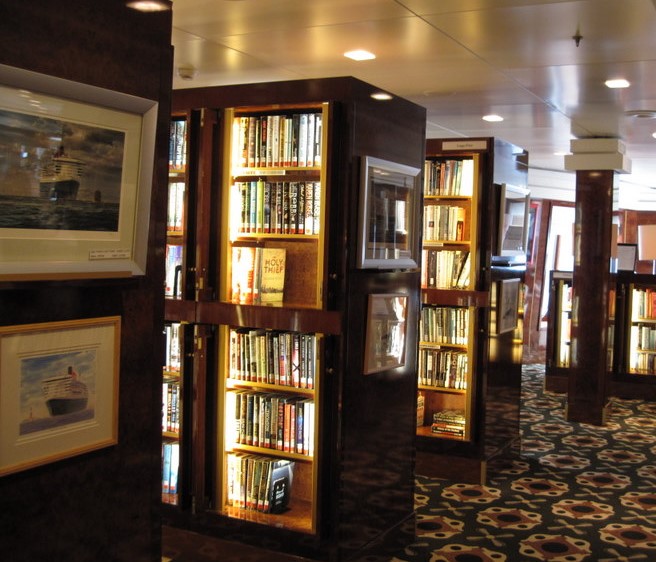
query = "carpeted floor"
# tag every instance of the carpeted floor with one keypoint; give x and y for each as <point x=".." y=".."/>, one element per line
<point x="574" y="492"/>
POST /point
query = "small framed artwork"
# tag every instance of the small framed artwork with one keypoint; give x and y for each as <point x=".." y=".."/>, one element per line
<point x="533" y="226"/>
<point x="627" y="254"/>
<point x="513" y="224"/>
<point x="507" y="305"/>
<point x="386" y="332"/>
<point x="76" y="178"/>
<point x="58" y="390"/>
<point x="387" y="233"/>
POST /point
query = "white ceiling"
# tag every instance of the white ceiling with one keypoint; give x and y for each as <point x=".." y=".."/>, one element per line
<point x="461" y="59"/>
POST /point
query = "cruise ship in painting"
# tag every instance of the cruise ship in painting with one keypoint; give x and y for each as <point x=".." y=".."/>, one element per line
<point x="60" y="177"/>
<point x="65" y="394"/>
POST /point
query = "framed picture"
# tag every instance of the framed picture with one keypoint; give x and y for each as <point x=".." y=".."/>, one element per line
<point x="385" y="333"/>
<point x="387" y="234"/>
<point x="507" y="305"/>
<point x="58" y="390"/>
<point x="76" y="179"/>
<point x="533" y="226"/>
<point x="627" y="254"/>
<point x="513" y="224"/>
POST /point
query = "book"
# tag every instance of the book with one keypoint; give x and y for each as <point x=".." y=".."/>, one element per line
<point x="243" y="268"/>
<point x="280" y="484"/>
<point x="271" y="279"/>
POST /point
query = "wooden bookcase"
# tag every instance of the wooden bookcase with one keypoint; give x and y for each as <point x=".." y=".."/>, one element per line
<point x="244" y="204"/>
<point x="558" y="350"/>
<point x="634" y="370"/>
<point x="459" y="378"/>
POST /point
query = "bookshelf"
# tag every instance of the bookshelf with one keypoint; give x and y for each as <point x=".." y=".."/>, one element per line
<point x="460" y="355"/>
<point x="279" y="436"/>
<point x="171" y="412"/>
<point x="640" y="328"/>
<point x="176" y="209"/>
<point x="559" y="331"/>
<point x="271" y="255"/>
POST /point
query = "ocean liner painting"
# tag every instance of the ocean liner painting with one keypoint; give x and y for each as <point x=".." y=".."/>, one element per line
<point x="60" y="177"/>
<point x="65" y="394"/>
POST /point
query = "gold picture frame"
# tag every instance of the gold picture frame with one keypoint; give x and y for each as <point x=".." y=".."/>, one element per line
<point x="386" y="332"/>
<point x="58" y="390"/>
<point x="76" y="185"/>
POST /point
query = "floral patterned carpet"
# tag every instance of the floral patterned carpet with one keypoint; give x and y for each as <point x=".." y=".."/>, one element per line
<point x="573" y="493"/>
<point x="576" y="492"/>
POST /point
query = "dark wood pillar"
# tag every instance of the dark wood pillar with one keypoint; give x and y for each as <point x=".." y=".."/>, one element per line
<point x="587" y="399"/>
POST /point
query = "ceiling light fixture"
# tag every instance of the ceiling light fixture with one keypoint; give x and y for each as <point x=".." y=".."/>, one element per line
<point x="186" y="72"/>
<point x="492" y="118"/>
<point x="149" y="5"/>
<point x="381" y="96"/>
<point x="359" y="54"/>
<point x="617" y="83"/>
<point x="641" y="113"/>
<point x="654" y="134"/>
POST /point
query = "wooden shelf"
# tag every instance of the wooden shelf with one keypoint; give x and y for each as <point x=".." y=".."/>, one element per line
<point x="275" y="318"/>
<point x="455" y="297"/>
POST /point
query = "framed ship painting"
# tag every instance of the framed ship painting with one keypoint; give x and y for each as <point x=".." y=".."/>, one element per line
<point x="58" y="390"/>
<point x="75" y="179"/>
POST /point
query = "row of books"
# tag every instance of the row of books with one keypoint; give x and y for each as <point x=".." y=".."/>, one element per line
<point x="173" y="357"/>
<point x="278" y="140"/>
<point x="258" y="275"/>
<point x="644" y="303"/>
<point x="643" y="336"/>
<point x="175" y="211"/>
<point x="171" y="407"/>
<point x="273" y="357"/>
<point x="170" y="466"/>
<point x="449" y="423"/>
<point x="280" y="207"/>
<point x="259" y="483"/>
<point x="178" y="146"/>
<point x="443" y="368"/>
<point x="444" y="325"/>
<point x="272" y="421"/>
<point x="173" y="271"/>
<point x="444" y="222"/>
<point x="445" y="269"/>
<point x="644" y="363"/>
<point x="449" y="177"/>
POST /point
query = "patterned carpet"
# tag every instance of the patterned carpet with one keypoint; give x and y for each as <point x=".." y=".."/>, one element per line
<point x="576" y="492"/>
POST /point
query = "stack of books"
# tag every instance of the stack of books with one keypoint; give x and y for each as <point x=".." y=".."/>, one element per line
<point x="449" y="423"/>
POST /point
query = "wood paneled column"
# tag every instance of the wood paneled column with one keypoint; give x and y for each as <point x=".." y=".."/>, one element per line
<point x="595" y="182"/>
<point x="586" y="398"/>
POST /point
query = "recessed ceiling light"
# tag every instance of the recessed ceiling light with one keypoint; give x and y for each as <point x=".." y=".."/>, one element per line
<point x="654" y="134"/>
<point x="617" y="83"/>
<point x="149" y="5"/>
<point x="492" y="118"/>
<point x="359" y="54"/>
<point x="381" y="96"/>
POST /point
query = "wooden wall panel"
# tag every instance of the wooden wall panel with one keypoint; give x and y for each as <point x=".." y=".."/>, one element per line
<point x="101" y="505"/>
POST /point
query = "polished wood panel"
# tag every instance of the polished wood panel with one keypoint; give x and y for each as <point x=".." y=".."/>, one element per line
<point x="102" y="505"/>
<point x="587" y="393"/>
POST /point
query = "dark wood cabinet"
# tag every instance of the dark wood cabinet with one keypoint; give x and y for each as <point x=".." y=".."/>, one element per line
<point x="559" y="328"/>
<point x="252" y="197"/>
<point x="469" y="372"/>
